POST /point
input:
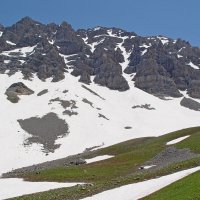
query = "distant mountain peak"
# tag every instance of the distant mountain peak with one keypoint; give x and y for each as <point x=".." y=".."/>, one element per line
<point x="28" y="21"/>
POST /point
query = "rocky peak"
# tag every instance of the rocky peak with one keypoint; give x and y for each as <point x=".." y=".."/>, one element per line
<point x="67" y="26"/>
<point x="162" y="66"/>
<point x="28" y="21"/>
<point x="1" y="27"/>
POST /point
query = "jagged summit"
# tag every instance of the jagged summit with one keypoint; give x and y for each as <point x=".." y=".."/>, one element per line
<point x="110" y="57"/>
<point x="27" y="21"/>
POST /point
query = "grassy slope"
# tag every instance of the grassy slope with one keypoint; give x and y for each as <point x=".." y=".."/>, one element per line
<point x="117" y="171"/>
<point x="184" y="189"/>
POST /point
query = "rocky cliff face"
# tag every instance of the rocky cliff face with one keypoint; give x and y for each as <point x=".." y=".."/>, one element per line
<point x="107" y="56"/>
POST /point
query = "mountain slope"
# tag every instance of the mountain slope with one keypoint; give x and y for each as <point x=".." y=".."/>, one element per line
<point x="143" y="165"/>
<point x="66" y="69"/>
<point x="106" y="56"/>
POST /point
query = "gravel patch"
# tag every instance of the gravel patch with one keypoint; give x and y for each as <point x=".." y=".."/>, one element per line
<point x="45" y="130"/>
<point x="170" y="156"/>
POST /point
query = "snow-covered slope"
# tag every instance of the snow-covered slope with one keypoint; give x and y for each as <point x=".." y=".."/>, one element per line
<point x="13" y="187"/>
<point x="139" y="190"/>
<point x="105" y="119"/>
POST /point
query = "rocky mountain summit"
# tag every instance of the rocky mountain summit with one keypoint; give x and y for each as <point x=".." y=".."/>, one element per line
<point x="110" y="57"/>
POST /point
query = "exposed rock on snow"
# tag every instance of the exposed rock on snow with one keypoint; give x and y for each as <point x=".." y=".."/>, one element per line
<point x="103" y="116"/>
<point x="65" y="103"/>
<point x="42" y="92"/>
<point x="92" y="92"/>
<point x="45" y="130"/>
<point x="145" y="106"/>
<point x="128" y="127"/>
<point x="88" y="102"/>
<point x="190" y="103"/>
<point x="69" y="112"/>
<point x="17" y="89"/>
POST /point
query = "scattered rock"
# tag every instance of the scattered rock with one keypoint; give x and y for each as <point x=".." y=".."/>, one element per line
<point x="103" y="116"/>
<point x="42" y="92"/>
<point x="17" y="89"/>
<point x="128" y="127"/>
<point x="88" y="102"/>
<point x="169" y="156"/>
<point x="190" y="103"/>
<point x="145" y="106"/>
<point x="83" y="86"/>
<point x="69" y="112"/>
<point x="65" y="103"/>
<point x="65" y="91"/>
<point x="79" y="161"/>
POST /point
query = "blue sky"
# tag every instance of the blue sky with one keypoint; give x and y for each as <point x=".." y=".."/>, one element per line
<point x="173" y="18"/>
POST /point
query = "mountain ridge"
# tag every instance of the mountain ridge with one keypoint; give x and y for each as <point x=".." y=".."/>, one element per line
<point x="158" y="65"/>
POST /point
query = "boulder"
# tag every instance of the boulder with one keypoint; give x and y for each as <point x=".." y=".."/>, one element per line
<point x="17" y="89"/>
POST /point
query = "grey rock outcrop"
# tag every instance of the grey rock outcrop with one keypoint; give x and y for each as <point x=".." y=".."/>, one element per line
<point x="160" y="65"/>
<point x="190" y="103"/>
<point x="17" y="89"/>
<point x="154" y="79"/>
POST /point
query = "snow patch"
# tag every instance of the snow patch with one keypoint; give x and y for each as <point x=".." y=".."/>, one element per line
<point x="125" y="64"/>
<point x="98" y="158"/>
<point x="177" y="140"/>
<point x="1" y="33"/>
<point x="139" y="190"/>
<point x="179" y="56"/>
<point x="191" y="64"/>
<point x="145" y="46"/>
<point x="11" y="43"/>
<point x="6" y="61"/>
<point x="97" y="28"/>
<point x="143" y="52"/>
<point x="23" y="52"/>
<point x="51" y="41"/>
<point x="13" y="187"/>
<point x="181" y="49"/>
<point x="22" y="61"/>
<point x="92" y="45"/>
<point x="164" y="40"/>
<point x="147" y="167"/>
